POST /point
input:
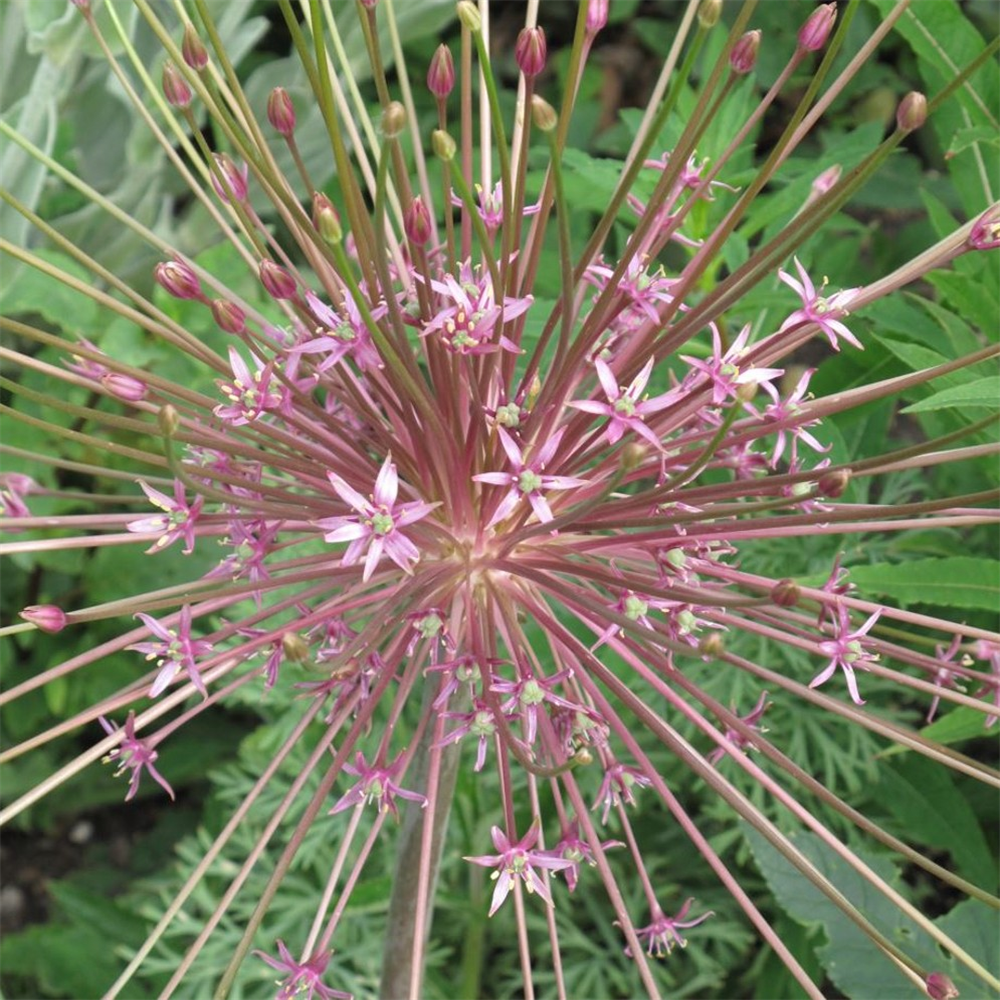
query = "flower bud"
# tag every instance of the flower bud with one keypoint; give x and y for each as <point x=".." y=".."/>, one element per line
<point x="194" y="52"/>
<point x="168" y="420"/>
<point x="543" y="114"/>
<point x="912" y="111"/>
<point x="468" y="14"/>
<point x="709" y="12"/>
<point x="281" y="111"/>
<point x="786" y="594"/>
<point x="443" y="145"/>
<point x="746" y="392"/>
<point x="228" y="316"/>
<point x="175" y="87"/>
<point x="530" y="51"/>
<point x="985" y="234"/>
<point x="814" y="33"/>
<point x="833" y="483"/>
<point x="417" y="222"/>
<point x="295" y="647"/>
<point x="369" y="4"/>
<point x="597" y="15"/>
<point x="441" y="75"/>
<point x="276" y="280"/>
<point x="46" y="617"/>
<point x="393" y="119"/>
<point x="743" y="57"/>
<point x="326" y="219"/>
<point x="233" y="185"/>
<point x="826" y="180"/>
<point x="940" y="987"/>
<point x="177" y="278"/>
<point x="124" y="387"/>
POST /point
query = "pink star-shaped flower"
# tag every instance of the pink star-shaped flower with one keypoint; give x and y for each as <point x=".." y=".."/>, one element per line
<point x="824" y="312"/>
<point x="526" y="478"/>
<point x="847" y="651"/>
<point x="175" y="650"/>
<point x="378" y="526"/>
<point x="518" y="861"/>
<point x="624" y="407"/>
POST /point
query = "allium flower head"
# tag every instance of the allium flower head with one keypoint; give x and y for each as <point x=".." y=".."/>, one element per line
<point x="501" y="461"/>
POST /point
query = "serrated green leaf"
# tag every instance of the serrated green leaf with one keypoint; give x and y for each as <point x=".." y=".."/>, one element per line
<point x="853" y="962"/>
<point x="979" y="393"/>
<point x="932" y="812"/>
<point x="955" y="582"/>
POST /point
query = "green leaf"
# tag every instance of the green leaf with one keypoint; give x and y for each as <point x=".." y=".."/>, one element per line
<point x="954" y="582"/>
<point x="980" y="392"/>
<point x="854" y="963"/>
<point x="944" y="42"/>
<point x="966" y="137"/>
<point x="36" y="292"/>
<point x="932" y="811"/>
<point x="850" y="957"/>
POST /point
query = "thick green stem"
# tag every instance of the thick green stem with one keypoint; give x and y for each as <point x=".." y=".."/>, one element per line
<point x="412" y="863"/>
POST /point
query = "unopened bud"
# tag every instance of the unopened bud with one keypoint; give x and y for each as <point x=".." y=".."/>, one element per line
<point x="826" y="180"/>
<point x="597" y="15"/>
<point x="175" y="87"/>
<point x="228" y="316"/>
<point x="281" y="111"/>
<point x="985" y="234"/>
<point x="786" y="593"/>
<point x="46" y="617"/>
<point x="393" y="119"/>
<point x="709" y="12"/>
<point x="712" y="644"/>
<point x="940" y="987"/>
<point x="530" y="51"/>
<point x="743" y="57"/>
<point x="326" y="219"/>
<point x="583" y="757"/>
<point x="193" y="49"/>
<point x="832" y="484"/>
<point x="295" y="647"/>
<point x="543" y="114"/>
<point x="468" y="14"/>
<point x="124" y="387"/>
<point x="417" y="222"/>
<point x="276" y="280"/>
<point x="178" y="279"/>
<point x="168" y="420"/>
<point x="912" y="111"/>
<point x="746" y="392"/>
<point x="229" y="180"/>
<point x="814" y="33"/>
<point x="441" y="75"/>
<point x="443" y="145"/>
